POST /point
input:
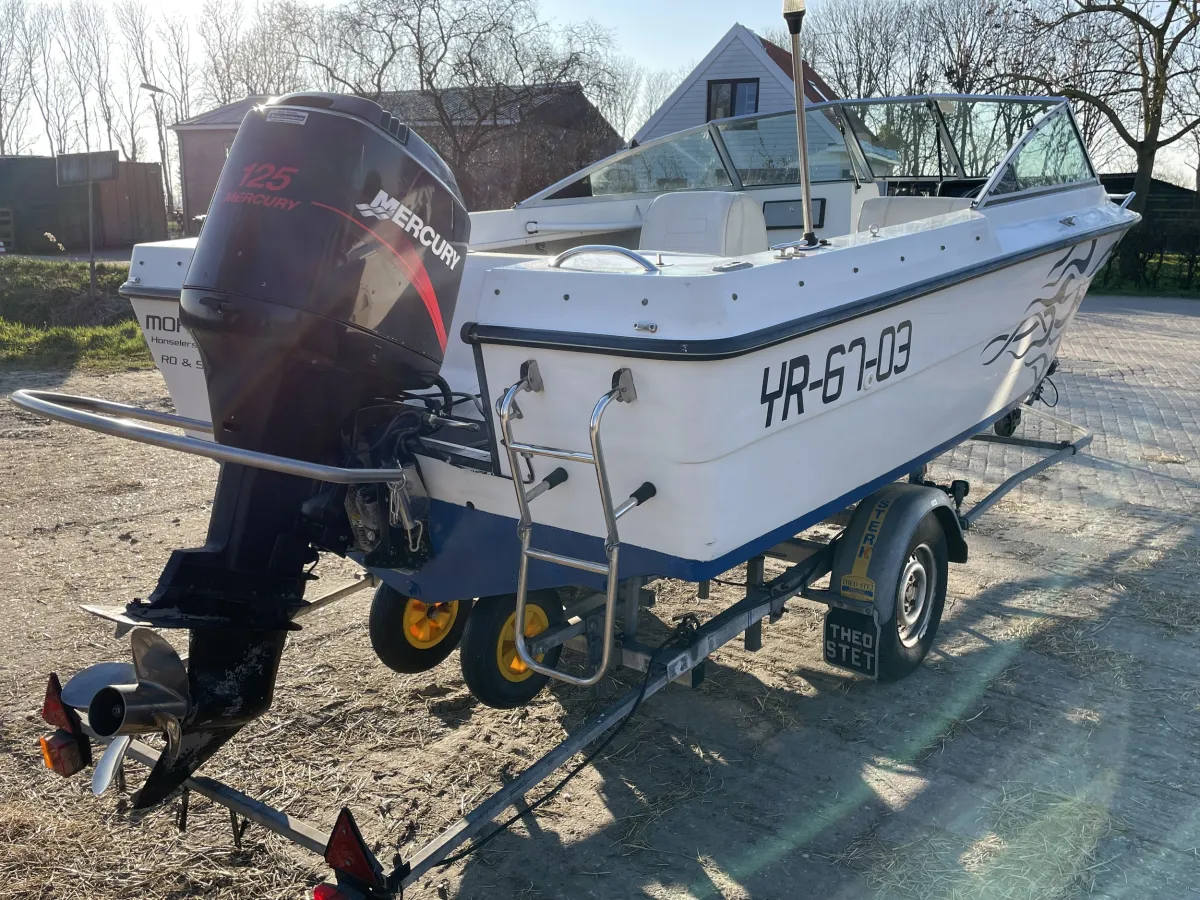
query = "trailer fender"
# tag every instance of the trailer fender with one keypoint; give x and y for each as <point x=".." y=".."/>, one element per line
<point x="870" y="551"/>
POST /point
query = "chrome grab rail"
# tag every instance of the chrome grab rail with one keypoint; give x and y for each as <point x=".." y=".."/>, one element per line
<point x="37" y="401"/>
<point x="72" y="410"/>
<point x="1126" y="199"/>
<point x="557" y="262"/>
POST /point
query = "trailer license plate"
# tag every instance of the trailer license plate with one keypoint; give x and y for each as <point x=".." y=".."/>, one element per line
<point x="851" y="642"/>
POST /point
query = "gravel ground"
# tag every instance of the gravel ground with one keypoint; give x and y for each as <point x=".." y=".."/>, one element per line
<point x="1045" y="749"/>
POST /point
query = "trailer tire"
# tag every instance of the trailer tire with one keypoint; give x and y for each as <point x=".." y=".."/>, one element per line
<point x="490" y="666"/>
<point x="920" y="591"/>
<point x="411" y="636"/>
<point x="1006" y="425"/>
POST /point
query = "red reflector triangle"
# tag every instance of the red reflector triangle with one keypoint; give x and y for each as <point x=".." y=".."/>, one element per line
<point x="348" y="853"/>
<point x="54" y="711"/>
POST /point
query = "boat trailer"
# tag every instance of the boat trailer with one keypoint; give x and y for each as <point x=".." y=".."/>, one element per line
<point x="357" y="873"/>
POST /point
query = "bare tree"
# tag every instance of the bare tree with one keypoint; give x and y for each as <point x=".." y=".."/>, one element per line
<point x="15" y="77"/>
<point x="1196" y="150"/>
<point x="178" y="67"/>
<point x="219" y="24"/>
<point x="618" y="97"/>
<point x="134" y="23"/>
<point x="870" y="48"/>
<point x="777" y="35"/>
<point x="968" y="42"/>
<point x="264" y="61"/>
<point x="328" y="56"/>
<point x="87" y="30"/>
<point x="657" y="86"/>
<point x="1151" y="64"/>
<point x="77" y="63"/>
<point x="52" y="92"/>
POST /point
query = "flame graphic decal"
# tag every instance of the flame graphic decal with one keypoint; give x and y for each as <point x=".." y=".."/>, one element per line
<point x="1035" y="338"/>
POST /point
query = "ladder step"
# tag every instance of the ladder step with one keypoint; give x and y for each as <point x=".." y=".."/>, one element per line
<point x="571" y="561"/>
<point x="554" y="453"/>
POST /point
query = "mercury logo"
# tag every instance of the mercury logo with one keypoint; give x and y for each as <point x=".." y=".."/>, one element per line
<point x="388" y="207"/>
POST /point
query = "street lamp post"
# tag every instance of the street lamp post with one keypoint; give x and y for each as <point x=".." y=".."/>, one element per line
<point x="163" y="150"/>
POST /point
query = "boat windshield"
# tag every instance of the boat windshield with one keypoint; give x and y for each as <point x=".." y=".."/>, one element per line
<point x="940" y="138"/>
<point x="762" y="149"/>
<point x="931" y="138"/>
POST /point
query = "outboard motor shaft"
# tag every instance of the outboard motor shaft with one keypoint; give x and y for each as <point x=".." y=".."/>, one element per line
<point x="321" y="289"/>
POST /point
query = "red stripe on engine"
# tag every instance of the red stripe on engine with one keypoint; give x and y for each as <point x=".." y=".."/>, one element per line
<point x="413" y="268"/>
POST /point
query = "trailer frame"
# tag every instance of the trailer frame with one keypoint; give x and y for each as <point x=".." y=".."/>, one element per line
<point x="674" y="661"/>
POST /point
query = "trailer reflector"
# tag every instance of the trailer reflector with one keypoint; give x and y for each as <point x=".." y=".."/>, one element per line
<point x="54" y="711"/>
<point x="61" y="753"/>
<point x="348" y="854"/>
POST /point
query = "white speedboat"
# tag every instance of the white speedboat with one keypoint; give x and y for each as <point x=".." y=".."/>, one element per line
<point x="467" y="406"/>
<point x="958" y="235"/>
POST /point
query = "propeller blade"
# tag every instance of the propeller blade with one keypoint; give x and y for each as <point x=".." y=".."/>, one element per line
<point x="83" y="686"/>
<point x="156" y="660"/>
<point x="174" y="734"/>
<point x="110" y="763"/>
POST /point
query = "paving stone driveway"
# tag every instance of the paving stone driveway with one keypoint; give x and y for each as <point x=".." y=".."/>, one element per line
<point x="1130" y="374"/>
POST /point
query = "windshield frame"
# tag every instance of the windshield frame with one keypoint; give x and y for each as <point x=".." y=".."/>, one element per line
<point x="860" y="166"/>
<point x="987" y="197"/>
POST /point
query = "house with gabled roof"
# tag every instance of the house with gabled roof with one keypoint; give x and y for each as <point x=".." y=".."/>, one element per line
<point x="744" y="73"/>
<point x="527" y="137"/>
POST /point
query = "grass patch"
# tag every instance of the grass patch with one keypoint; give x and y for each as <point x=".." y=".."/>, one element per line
<point x="50" y="293"/>
<point x="95" y="348"/>
<point x="1039" y="845"/>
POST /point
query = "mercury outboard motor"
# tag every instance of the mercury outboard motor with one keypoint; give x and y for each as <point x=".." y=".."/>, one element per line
<point x="321" y="290"/>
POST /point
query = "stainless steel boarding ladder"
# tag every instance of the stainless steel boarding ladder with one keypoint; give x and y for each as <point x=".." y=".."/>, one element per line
<point x="623" y="392"/>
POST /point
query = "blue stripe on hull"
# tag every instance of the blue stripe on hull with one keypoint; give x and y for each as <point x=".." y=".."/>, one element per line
<point x="476" y="552"/>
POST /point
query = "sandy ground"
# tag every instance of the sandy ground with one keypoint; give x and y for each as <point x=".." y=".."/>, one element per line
<point x="1045" y="749"/>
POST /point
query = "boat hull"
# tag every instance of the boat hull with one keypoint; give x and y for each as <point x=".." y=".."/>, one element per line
<point x="747" y="450"/>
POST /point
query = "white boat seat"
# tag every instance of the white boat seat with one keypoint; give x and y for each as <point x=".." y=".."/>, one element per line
<point x="723" y="223"/>
<point x="885" y="211"/>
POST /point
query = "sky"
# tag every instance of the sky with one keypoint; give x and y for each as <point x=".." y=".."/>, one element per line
<point x="666" y="34"/>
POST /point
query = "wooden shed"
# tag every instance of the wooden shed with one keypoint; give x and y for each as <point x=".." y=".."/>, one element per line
<point x="128" y="210"/>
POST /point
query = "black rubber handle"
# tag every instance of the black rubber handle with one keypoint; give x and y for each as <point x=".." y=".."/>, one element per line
<point x="555" y="478"/>
<point x="644" y="493"/>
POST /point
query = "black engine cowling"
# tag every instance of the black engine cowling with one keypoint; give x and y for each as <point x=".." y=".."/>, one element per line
<point x="328" y="267"/>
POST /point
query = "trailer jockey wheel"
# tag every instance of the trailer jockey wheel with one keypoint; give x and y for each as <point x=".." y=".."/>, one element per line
<point x="490" y="664"/>
<point x="1006" y="425"/>
<point x="411" y="636"/>
<point x="906" y="637"/>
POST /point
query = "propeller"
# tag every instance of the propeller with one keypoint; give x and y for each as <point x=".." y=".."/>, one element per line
<point x="123" y="700"/>
<point x="227" y="681"/>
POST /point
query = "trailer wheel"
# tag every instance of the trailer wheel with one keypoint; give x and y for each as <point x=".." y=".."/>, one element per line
<point x="490" y="664"/>
<point x="411" y="636"/>
<point x="906" y="637"/>
<point x="1006" y="425"/>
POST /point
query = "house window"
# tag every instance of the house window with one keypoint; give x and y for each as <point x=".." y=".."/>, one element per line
<point x="737" y="97"/>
